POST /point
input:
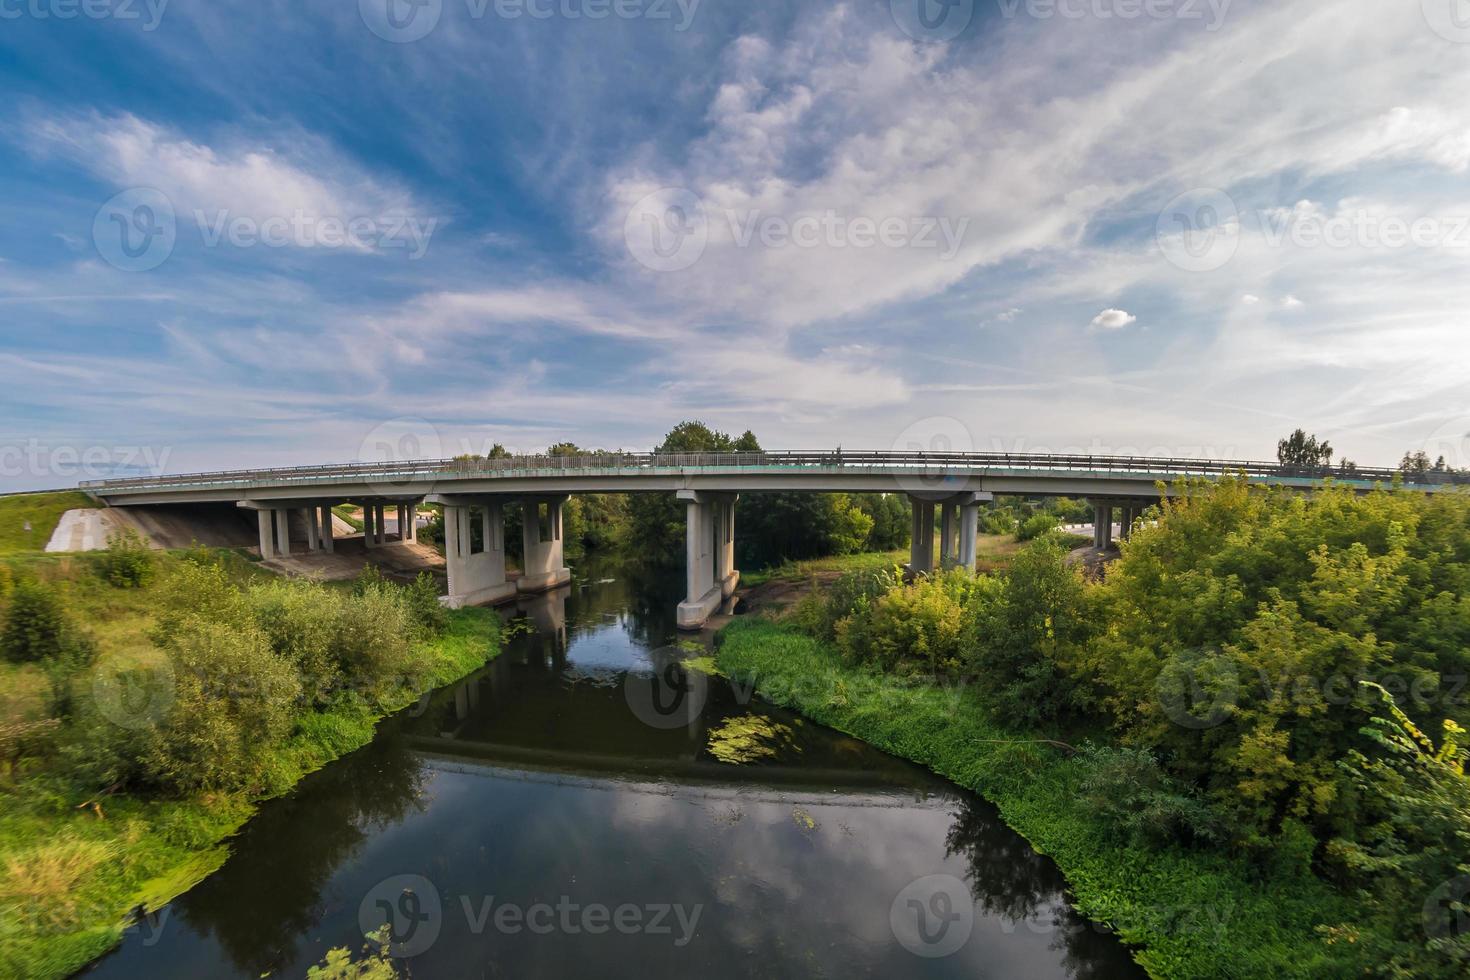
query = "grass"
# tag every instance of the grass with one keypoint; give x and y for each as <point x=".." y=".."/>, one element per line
<point x="1186" y="913"/>
<point x="41" y="511"/>
<point x="71" y="876"/>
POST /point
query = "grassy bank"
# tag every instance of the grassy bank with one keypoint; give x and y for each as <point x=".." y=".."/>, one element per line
<point x="72" y="869"/>
<point x="40" y="512"/>
<point x="1189" y="913"/>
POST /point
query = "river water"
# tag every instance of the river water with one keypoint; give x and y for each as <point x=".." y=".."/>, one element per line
<point x="559" y="813"/>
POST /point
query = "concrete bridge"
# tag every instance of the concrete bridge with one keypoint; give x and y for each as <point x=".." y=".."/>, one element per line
<point x="709" y="484"/>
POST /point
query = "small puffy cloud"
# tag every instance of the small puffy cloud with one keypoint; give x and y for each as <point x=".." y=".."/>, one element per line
<point x="1112" y="320"/>
<point x="1291" y="303"/>
<point x="1250" y="299"/>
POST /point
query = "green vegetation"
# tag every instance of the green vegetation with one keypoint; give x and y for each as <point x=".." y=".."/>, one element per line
<point x="145" y="720"/>
<point x="1212" y="729"/>
<point x="28" y="520"/>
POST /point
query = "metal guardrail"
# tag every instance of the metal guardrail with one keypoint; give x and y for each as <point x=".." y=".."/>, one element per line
<point x="899" y="463"/>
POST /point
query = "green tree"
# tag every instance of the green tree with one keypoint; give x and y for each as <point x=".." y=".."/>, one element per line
<point x="1304" y="453"/>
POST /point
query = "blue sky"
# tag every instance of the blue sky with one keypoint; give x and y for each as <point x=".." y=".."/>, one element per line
<point x="271" y="233"/>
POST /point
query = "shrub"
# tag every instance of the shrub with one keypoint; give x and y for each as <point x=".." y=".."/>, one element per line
<point x="127" y="562"/>
<point x="197" y="589"/>
<point x="1036" y="526"/>
<point x="1127" y="788"/>
<point x="35" y="626"/>
<point x="1020" y="644"/>
<point x="998" y="522"/>
<point x="854" y="592"/>
<point x="911" y="626"/>
<point x="423" y="602"/>
<point x="299" y="620"/>
<point x="374" y="635"/>
<point x="233" y="698"/>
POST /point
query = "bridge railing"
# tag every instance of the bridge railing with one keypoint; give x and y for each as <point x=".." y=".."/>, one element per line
<point x="898" y="463"/>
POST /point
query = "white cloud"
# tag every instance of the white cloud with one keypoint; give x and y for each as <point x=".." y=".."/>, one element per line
<point x="1250" y="299"/>
<point x="1113" y="320"/>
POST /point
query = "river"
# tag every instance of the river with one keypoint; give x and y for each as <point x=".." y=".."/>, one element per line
<point x="559" y="813"/>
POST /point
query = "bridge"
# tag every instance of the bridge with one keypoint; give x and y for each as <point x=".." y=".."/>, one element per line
<point x="476" y="490"/>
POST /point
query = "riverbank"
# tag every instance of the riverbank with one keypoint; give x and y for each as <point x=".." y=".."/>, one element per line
<point x="72" y="876"/>
<point x="1186" y="912"/>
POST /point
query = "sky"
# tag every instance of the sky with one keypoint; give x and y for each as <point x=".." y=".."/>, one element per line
<point x="281" y="232"/>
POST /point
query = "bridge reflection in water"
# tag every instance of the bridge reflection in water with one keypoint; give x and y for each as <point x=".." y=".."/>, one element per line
<point x="541" y="779"/>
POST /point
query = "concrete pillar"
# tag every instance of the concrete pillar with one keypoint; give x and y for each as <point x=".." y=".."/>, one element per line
<point x="381" y="523"/>
<point x="1107" y="539"/>
<point x="1126" y="517"/>
<point x="947" y="529"/>
<point x="308" y="517"/>
<point x="542" y="563"/>
<point x="328" y="535"/>
<point x="709" y="555"/>
<point x="266" y="520"/>
<point x="480" y="577"/>
<point x="283" y="531"/>
<point x="410" y="531"/>
<point x="921" y="547"/>
<point x="368" y="538"/>
<point x="969" y="535"/>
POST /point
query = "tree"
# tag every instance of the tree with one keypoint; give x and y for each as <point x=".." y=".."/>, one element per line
<point x="656" y="520"/>
<point x="1304" y="453"/>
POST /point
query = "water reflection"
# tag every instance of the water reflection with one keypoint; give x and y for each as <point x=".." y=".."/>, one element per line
<point x="537" y="781"/>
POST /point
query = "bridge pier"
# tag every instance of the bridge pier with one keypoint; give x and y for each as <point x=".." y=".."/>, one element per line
<point x="709" y="535"/>
<point x="475" y="577"/>
<point x="959" y="532"/>
<point x="324" y="515"/>
<point x="542" y="566"/>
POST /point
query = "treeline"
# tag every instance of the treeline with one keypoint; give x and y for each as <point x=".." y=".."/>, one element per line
<point x="1283" y="679"/>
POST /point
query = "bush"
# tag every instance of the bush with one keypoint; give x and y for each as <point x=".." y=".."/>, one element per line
<point x="851" y="593"/>
<point x="198" y="589"/>
<point x="233" y="699"/>
<point x="1020" y="644"/>
<point x="127" y="562"/>
<point x="299" y="621"/>
<point x="911" y="626"/>
<point x="998" y="522"/>
<point x="35" y="627"/>
<point x="374" y="635"/>
<point x="1036" y="526"/>
<point x="1126" y="788"/>
<point x="423" y="603"/>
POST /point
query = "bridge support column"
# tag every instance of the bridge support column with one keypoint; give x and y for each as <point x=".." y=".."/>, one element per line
<point x="266" y="520"/>
<point x="542" y="566"/>
<point x="709" y="537"/>
<point x="475" y="577"/>
<point x="283" y="531"/>
<point x="969" y="534"/>
<point x="369" y="539"/>
<point x="948" y="550"/>
<point x="308" y="517"/>
<point x="921" y="543"/>
<point x="324" y="514"/>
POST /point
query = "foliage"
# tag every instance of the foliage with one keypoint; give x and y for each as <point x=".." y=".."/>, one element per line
<point x="299" y="621"/>
<point x="1410" y="858"/>
<point x="774" y="527"/>
<point x="28" y="520"/>
<point x="1023" y="640"/>
<point x="127" y="562"/>
<point x="1036" y="526"/>
<point x="1303" y="453"/>
<point x="890" y="515"/>
<point x="1127" y="788"/>
<point x="376" y="962"/>
<point x="35" y="626"/>
<point x="922" y="624"/>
